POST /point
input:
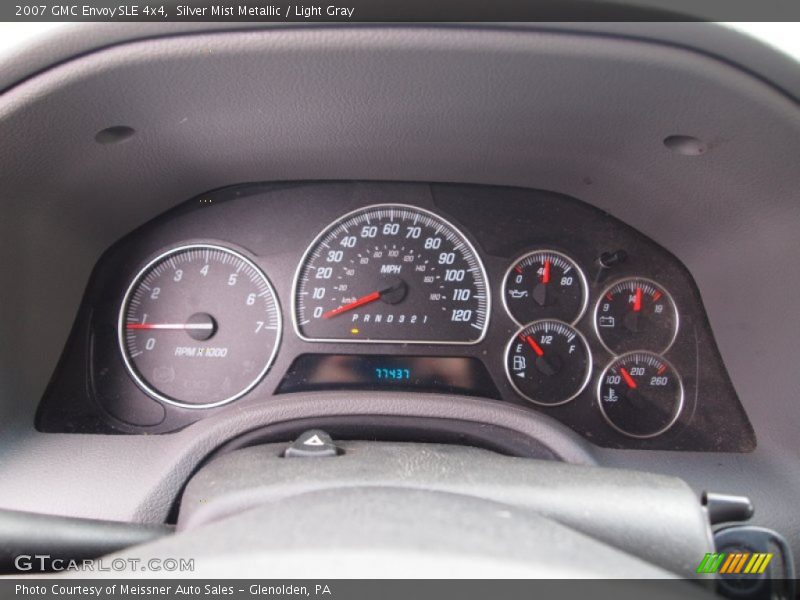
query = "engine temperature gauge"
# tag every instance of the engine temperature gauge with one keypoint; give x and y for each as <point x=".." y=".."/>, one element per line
<point x="548" y="362"/>
<point x="640" y="394"/>
<point x="636" y="314"/>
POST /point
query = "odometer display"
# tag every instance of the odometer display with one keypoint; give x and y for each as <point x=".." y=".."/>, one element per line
<point x="391" y="273"/>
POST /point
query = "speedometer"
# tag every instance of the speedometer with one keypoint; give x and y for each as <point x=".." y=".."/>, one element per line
<point x="391" y="273"/>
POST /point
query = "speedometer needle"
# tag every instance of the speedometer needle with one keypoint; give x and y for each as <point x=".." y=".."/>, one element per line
<point x="351" y="305"/>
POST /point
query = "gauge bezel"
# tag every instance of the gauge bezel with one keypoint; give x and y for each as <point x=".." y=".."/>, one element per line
<point x="657" y="285"/>
<point x="335" y="223"/>
<point x="583" y="280"/>
<point x="681" y="400"/>
<point x="589" y="362"/>
<point x="141" y="273"/>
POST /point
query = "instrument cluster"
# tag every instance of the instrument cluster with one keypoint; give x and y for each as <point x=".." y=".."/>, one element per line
<point x="514" y="295"/>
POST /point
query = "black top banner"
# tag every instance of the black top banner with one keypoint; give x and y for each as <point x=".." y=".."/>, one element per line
<point x="355" y="11"/>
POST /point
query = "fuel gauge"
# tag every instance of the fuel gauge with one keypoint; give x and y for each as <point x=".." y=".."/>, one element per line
<point x="548" y="362"/>
<point x="636" y="314"/>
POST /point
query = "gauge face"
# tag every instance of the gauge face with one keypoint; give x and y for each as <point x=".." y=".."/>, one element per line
<point x="548" y="362"/>
<point x="545" y="284"/>
<point x="199" y="326"/>
<point x="640" y="394"/>
<point x="391" y="273"/>
<point x="635" y="314"/>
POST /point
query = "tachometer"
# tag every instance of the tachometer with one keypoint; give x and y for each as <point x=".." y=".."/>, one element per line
<point x="391" y="273"/>
<point x="199" y="326"/>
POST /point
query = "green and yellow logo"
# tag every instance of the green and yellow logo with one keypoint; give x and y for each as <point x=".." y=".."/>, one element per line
<point x="734" y="563"/>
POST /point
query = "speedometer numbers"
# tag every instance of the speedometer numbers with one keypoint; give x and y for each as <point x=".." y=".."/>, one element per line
<point x="636" y="314"/>
<point x="640" y="394"/>
<point x="545" y="284"/>
<point x="391" y="273"/>
<point x="548" y="362"/>
<point x="199" y="326"/>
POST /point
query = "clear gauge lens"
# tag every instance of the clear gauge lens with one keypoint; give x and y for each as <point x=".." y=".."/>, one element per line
<point x="640" y="394"/>
<point x="545" y="285"/>
<point x="199" y="326"/>
<point x="391" y="273"/>
<point x="635" y="314"/>
<point x="548" y="362"/>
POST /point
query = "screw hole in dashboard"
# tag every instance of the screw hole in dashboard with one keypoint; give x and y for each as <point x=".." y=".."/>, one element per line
<point x="686" y="145"/>
<point x="114" y="135"/>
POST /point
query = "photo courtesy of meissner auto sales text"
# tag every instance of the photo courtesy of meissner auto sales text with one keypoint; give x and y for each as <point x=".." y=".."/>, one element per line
<point x="399" y="299"/>
<point x="172" y="590"/>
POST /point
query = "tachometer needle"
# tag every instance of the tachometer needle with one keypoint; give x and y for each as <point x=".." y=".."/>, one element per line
<point x="181" y="326"/>
<point x="351" y="305"/>
<point x="628" y="379"/>
<point x="637" y="301"/>
<point x="546" y="272"/>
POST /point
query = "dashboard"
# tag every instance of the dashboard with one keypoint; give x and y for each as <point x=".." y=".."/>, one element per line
<point x="512" y="295"/>
<point x="660" y="157"/>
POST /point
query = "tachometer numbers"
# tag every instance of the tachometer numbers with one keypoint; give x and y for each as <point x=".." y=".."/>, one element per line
<point x="640" y="394"/>
<point x="199" y="326"/>
<point x="391" y="273"/>
<point x="636" y="314"/>
<point x="548" y="362"/>
<point x="545" y="284"/>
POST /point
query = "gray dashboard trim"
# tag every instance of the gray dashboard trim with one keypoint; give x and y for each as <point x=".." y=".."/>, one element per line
<point x="74" y="40"/>
<point x="143" y="486"/>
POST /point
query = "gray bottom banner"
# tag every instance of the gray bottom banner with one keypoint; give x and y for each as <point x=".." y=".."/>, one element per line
<point x="351" y="589"/>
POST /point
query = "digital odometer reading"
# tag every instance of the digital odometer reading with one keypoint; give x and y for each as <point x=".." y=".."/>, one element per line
<point x="391" y="273"/>
<point x="464" y="375"/>
<point x="199" y="326"/>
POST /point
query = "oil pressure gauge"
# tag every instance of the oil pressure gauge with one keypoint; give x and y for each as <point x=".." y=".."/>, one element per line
<point x="545" y="284"/>
<point x="636" y="314"/>
<point x="640" y="394"/>
<point x="548" y="362"/>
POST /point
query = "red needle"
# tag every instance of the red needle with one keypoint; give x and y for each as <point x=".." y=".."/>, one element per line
<point x="536" y="348"/>
<point x="546" y="272"/>
<point x="628" y="379"/>
<point x="637" y="302"/>
<point x="354" y="304"/>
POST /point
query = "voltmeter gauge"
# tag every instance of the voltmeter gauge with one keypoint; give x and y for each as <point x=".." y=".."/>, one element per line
<point x="548" y="362"/>
<point x="640" y="394"/>
<point x="545" y="284"/>
<point x="636" y="314"/>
